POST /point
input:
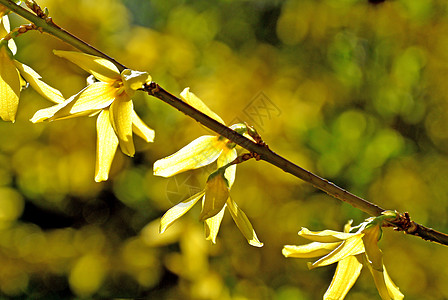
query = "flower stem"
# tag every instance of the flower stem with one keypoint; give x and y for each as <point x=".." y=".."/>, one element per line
<point x="402" y="222"/>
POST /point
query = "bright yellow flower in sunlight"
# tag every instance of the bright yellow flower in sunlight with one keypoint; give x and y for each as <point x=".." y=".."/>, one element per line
<point x="12" y="75"/>
<point x="351" y="251"/>
<point x="110" y="99"/>
<point x="202" y="151"/>
<point x="215" y="198"/>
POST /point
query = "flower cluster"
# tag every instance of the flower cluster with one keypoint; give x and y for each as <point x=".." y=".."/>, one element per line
<point x="351" y="251"/>
<point x="110" y="100"/>
<point x="216" y="196"/>
<point x="14" y="76"/>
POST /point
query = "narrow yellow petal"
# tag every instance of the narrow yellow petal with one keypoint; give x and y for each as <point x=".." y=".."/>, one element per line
<point x="141" y="129"/>
<point x="314" y="249"/>
<point x="380" y="283"/>
<point x="325" y="236"/>
<point x="200" y="152"/>
<point x="178" y="211"/>
<point x="349" y="247"/>
<point x="347" y="272"/>
<point x="4" y="30"/>
<point x="212" y="225"/>
<point x="121" y="117"/>
<point x="101" y="68"/>
<point x="12" y="46"/>
<point x="9" y="87"/>
<point x="47" y="113"/>
<point x="373" y="252"/>
<point x="227" y="156"/>
<point x="5" y="26"/>
<point x="197" y="103"/>
<point x="96" y="96"/>
<point x="34" y="79"/>
<point x="394" y="291"/>
<point x="243" y="223"/>
<point x="107" y="143"/>
<point x="216" y="194"/>
<point x="87" y="102"/>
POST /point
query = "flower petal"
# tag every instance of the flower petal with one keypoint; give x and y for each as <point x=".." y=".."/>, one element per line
<point x="4" y="30"/>
<point x="121" y="117"/>
<point x="243" y="223"/>
<point x="141" y="129"/>
<point x="200" y="152"/>
<point x="394" y="291"/>
<point x="96" y="96"/>
<point x="46" y="113"/>
<point x="178" y="211"/>
<point x="38" y="85"/>
<point x="347" y="272"/>
<point x="87" y="102"/>
<point x="212" y="225"/>
<point x="9" y="87"/>
<point x="216" y="194"/>
<point x="351" y="246"/>
<point x="197" y="103"/>
<point x="101" y="68"/>
<point x="325" y="236"/>
<point x="373" y="252"/>
<point x="378" y="278"/>
<point x="227" y="156"/>
<point x="107" y="143"/>
<point x="314" y="249"/>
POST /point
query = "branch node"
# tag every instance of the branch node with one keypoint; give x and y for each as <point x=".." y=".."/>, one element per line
<point x="151" y="88"/>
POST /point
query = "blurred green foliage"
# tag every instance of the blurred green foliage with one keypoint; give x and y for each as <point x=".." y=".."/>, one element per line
<point x="350" y="90"/>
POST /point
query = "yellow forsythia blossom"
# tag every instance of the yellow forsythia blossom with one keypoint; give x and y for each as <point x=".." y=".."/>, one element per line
<point x="12" y="75"/>
<point x="110" y="99"/>
<point x="215" y="198"/>
<point x="351" y="251"/>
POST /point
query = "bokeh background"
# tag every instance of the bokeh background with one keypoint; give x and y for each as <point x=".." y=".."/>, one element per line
<point x="351" y="90"/>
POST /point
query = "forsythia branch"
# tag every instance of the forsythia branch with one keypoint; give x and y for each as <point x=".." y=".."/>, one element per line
<point x="401" y="223"/>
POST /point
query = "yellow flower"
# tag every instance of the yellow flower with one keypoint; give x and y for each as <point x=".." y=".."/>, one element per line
<point x="215" y="198"/>
<point x="110" y="99"/>
<point x="351" y="251"/>
<point x="11" y="81"/>
<point x="202" y="151"/>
